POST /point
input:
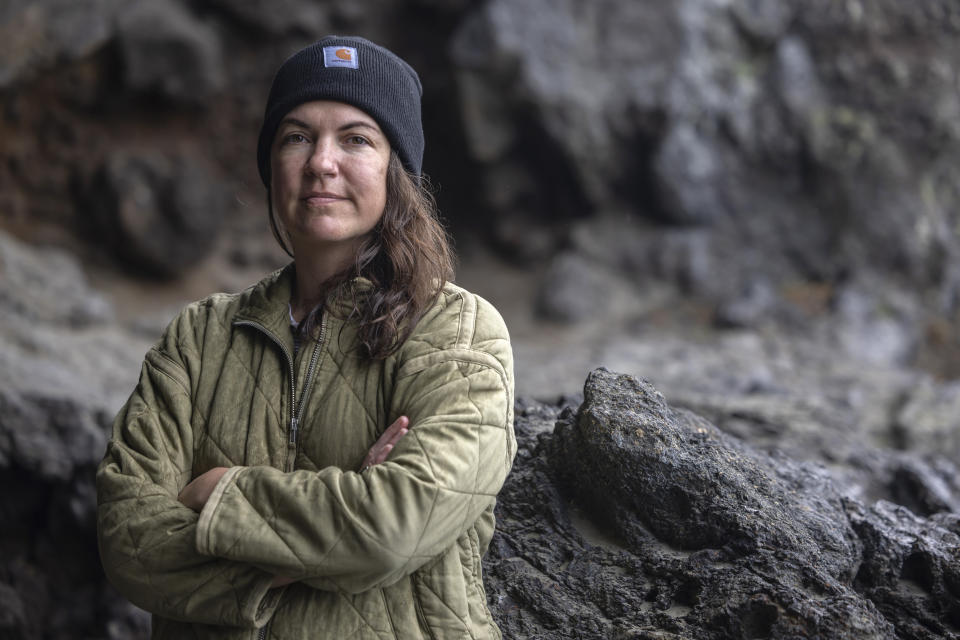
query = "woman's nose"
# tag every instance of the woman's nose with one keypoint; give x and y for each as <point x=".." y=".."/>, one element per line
<point x="323" y="160"/>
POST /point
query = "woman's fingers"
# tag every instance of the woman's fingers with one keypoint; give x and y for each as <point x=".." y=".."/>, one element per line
<point x="386" y="442"/>
<point x="389" y="439"/>
<point x="400" y="424"/>
<point x="382" y="454"/>
<point x="396" y="431"/>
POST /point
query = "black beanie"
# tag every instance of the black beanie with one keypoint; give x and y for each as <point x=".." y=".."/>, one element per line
<point x="355" y="71"/>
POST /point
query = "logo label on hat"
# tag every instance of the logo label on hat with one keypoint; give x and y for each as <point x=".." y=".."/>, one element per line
<point x="340" y="57"/>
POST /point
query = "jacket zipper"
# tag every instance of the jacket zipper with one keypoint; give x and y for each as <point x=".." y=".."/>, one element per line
<point x="307" y="386"/>
<point x="296" y="411"/>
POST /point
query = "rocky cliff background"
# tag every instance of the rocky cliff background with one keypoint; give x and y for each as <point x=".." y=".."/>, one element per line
<point x="753" y="204"/>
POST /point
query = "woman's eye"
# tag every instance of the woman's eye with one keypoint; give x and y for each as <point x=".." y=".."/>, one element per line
<point x="357" y="139"/>
<point x="294" y="138"/>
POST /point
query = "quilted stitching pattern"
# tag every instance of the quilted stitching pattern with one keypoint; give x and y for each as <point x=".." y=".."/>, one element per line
<point x="221" y="393"/>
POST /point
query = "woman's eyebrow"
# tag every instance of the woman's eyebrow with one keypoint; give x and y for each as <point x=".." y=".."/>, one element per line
<point x="350" y="125"/>
<point x="294" y="122"/>
<point x="359" y="123"/>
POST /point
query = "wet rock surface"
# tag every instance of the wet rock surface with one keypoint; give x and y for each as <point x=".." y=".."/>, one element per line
<point x="628" y="518"/>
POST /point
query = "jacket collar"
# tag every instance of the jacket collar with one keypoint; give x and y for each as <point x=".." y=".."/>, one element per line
<point x="269" y="300"/>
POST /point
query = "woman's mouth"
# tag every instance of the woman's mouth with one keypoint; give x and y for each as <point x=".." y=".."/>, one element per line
<point x="320" y="198"/>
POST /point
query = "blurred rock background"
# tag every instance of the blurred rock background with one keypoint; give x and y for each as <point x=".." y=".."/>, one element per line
<point x="755" y="204"/>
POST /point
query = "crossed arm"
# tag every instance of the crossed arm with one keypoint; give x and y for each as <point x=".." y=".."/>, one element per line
<point x="196" y="494"/>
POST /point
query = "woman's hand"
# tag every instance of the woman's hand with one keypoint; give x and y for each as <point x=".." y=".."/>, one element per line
<point x="196" y="494"/>
<point x="384" y="445"/>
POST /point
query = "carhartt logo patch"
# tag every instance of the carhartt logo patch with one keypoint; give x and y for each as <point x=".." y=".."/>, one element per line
<point x="340" y="57"/>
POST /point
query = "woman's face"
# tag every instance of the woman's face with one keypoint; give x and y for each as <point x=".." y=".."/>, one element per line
<point x="328" y="169"/>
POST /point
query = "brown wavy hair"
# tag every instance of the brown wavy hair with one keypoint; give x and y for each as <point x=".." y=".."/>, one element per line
<point x="407" y="257"/>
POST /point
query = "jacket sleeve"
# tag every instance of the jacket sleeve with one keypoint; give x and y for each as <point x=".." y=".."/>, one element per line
<point x="146" y="537"/>
<point x="341" y="529"/>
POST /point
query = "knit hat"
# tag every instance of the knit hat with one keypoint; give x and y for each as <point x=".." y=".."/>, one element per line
<point x="355" y="71"/>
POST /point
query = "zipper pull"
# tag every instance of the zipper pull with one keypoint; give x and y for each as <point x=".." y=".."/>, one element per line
<point x="294" y="427"/>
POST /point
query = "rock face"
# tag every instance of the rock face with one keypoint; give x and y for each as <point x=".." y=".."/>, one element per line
<point x="631" y="519"/>
<point x="167" y="52"/>
<point x="65" y="367"/>
<point x="810" y="139"/>
<point x="161" y="213"/>
<point x="773" y="123"/>
<point x="36" y="34"/>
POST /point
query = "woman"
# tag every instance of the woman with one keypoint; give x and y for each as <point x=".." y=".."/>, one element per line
<point x="319" y="455"/>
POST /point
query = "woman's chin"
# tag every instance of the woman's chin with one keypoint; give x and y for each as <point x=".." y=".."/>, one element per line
<point x="322" y="232"/>
<point x="327" y="240"/>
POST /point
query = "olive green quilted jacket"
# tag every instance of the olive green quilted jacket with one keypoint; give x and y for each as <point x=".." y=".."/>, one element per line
<point x="392" y="553"/>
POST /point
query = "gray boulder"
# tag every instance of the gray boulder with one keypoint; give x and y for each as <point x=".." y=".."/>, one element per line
<point x="574" y="289"/>
<point x="929" y="419"/>
<point x="36" y="35"/>
<point x="160" y="212"/>
<point x="66" y="366"/>
<point x="168" y="52"/>
<point x="47" y="286"/>
<point x="631" y="519"/>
